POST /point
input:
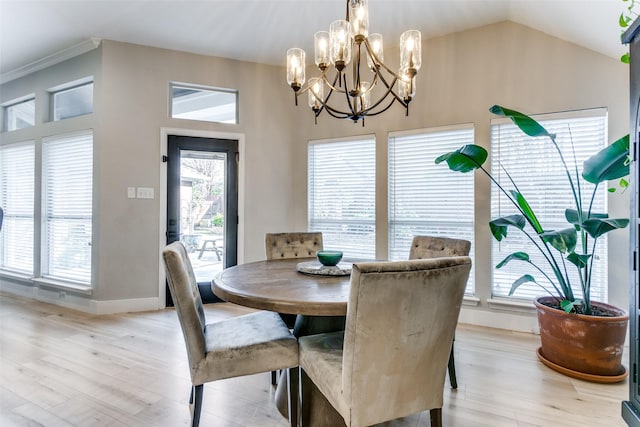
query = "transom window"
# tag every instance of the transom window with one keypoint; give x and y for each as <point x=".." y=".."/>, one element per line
<point x="204" y="103"/>
<point x="72" y="101"/>
<point x="19" y="114"/>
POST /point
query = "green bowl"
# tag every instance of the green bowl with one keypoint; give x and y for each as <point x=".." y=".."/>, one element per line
<point x="329" y="258"/>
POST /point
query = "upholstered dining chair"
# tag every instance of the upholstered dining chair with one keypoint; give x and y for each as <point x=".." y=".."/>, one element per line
<point x="292" y="245"/>
<point x="391" y="360"/>
<point x="244" y="345"/>
<point x="435" y="247"/>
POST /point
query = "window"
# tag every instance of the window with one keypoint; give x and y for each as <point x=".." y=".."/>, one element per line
<point x="425" y="198"/>
<point x="72" y="101"/>
<point x="67" y="207"/>
<point x="535" y="167"/>
<point x="342" y="195"/>
<point x="20" y="114"/>
<point x="17" y="179"/>
<point x="206" y="104"/>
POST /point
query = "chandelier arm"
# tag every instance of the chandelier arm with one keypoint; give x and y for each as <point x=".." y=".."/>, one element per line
<point x="377" y="61"/>
<point x="368" y="113"/>
<point x="390" y="89"/>
<point x="332" y="86"/>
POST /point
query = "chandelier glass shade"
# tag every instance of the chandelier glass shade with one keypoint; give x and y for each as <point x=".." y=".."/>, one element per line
<point x="348" y="87"/>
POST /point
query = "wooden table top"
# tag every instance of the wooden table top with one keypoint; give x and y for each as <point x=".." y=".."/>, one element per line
<point x="275" y="285"/>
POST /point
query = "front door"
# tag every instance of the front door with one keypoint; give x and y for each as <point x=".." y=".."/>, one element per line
<point x="202" y="204"/>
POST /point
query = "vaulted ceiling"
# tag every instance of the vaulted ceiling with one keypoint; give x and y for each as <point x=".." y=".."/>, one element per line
<point x="262" y="30"/>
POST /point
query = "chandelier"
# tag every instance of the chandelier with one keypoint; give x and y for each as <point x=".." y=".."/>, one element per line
<point x="346" y="43"/>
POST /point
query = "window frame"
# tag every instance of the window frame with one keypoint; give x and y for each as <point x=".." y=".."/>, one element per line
<point x="203" y="88"/>
<point x="352" y="247"/>
<point x="68" y="87"/>
<point x="48" y="218"/>
<point x="529" y="291"/>
<point x="13" y="103"/>
<point x="422" y="147"/>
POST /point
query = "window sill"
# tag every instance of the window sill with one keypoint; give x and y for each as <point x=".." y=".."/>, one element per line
<point x="470" y="300"/>
<point x="511" y="305"/>
<point x="67" y="286"/>
<point x="15" y="275"/>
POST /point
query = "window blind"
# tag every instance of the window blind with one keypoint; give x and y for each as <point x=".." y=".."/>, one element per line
<point x="535" y="167"/>
<point x="67" y="207"/>
<point x="425" y="198"/>
<point x="17" y="179"/>
<point x="341" y="195"/>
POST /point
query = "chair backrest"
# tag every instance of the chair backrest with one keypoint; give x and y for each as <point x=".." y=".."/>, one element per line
<point x="435" y="247"/>
<point x="292" y="245"/>
<point x="186" y="297"/>
<point x="401" y="319"/>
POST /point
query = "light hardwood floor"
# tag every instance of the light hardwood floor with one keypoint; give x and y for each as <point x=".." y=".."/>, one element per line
<point x="60" y="367"/>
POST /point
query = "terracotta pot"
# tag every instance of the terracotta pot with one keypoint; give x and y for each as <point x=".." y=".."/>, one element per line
<point x="580" y="344"/>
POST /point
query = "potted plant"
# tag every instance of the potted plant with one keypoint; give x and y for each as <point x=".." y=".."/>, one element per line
<point x="579" y="337"/>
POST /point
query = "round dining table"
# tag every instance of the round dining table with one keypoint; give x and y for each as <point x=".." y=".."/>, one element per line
<point x="276" y="285"/>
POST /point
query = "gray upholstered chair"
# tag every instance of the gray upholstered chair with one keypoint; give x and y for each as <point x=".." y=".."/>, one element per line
<point x="391" y="360"/>
<point x="423" y="247"/>
<point x="292" y="245"/>
<point x="244" y="345"/>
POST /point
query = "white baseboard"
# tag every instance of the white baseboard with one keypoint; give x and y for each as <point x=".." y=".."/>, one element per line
<point x="76" y="302"/>
<point x="512" y="321"/>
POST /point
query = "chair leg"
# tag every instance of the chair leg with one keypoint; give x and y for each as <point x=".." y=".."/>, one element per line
<point x="196" y="404"/>
<point x="293" y="383"/>
<point x="452" y="370"/>
<point x="436" y="417"/>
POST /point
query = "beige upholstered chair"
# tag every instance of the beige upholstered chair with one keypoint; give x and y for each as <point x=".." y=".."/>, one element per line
<point x="292" y="245"/>
<point x="391" y="360"/>
<point x="436" y="247"/>
<point x="249" y="344"/>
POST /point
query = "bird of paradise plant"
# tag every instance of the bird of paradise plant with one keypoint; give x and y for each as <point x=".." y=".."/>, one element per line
<point x="560" y="248"/>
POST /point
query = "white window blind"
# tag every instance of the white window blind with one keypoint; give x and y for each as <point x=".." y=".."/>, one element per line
<point x="425" y="198"/>
<point x="341" y="194"/>
<point x="17" y="179"/>
<point x="67" y="207"/>
<point x="535" y="167"/>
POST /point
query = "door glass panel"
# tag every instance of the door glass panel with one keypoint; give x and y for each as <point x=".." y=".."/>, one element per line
<point x="202" y="210"/>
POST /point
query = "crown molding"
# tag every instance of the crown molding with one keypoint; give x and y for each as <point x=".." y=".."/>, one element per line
<point x="55" y="58"/>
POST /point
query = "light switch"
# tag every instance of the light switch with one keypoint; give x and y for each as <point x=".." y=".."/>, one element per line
<point x="145" y="193"/>
<point x="131" y="192"/>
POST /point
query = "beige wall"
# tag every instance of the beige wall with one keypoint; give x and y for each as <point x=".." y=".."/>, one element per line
<point x="464" y="74"/>
<point x="131" y="108"/>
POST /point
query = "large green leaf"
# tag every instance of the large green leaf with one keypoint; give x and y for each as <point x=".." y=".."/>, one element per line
<point x="524" y="122"/>
<point x="499" y="226"/>
<point x="527" y="211"/>
<point x="608" y="163"/>
<point x="520" y="256"/>
<point x="523" y="279"/>
<point x="596" y="227"/>
<point x="579" y="260"/>
<point x="465" y="159"/>
<point x="572" y="216"/>
<point x="564" y="240"/>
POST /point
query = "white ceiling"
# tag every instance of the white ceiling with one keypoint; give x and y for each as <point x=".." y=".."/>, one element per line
<point x="262" y="30"/>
